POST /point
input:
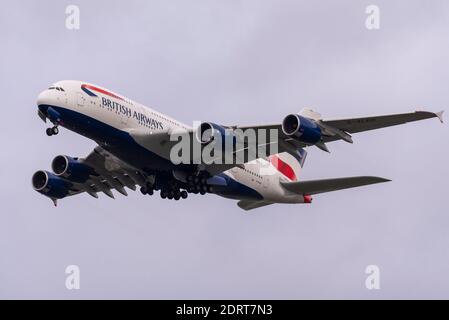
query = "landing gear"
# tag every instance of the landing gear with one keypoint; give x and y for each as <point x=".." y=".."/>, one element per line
<point x="170" y="188"/>
<point x="174" y="194"/>
<point x="52" y="131"/>
<point x="147" y="191"/>
<point x="198" y="184"/>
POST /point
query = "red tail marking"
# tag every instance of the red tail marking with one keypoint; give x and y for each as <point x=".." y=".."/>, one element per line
<point x="283" y="167"/>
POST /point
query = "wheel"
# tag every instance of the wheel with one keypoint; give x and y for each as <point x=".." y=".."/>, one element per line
<point x="143" y="190"/>
<point x="150" y="192"/>
<point x="202" y="192"/>
<point x="163" y="194"/>
<point x="49" y="132"/>
<point x="184" y="194"/>
<point x="55" y="130"/>
<point x="177" y="196"/>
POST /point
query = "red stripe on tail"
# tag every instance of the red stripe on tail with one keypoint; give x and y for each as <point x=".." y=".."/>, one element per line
<point x="283" y="167"/>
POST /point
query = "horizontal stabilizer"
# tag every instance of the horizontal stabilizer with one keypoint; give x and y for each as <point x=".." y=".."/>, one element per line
<point x="327" y="185"/>
<point x="249" y="205"/>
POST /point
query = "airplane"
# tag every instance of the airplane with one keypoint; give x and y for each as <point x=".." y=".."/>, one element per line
<point x="134" y="145"/>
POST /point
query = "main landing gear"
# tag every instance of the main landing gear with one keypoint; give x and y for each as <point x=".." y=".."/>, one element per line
<point x="165" y="193"/>
<point x="147" y="191"/>
<point x="174" y="194"/>
<point x="173" y="190"/>
<point x="198" y="184"/>
<point x="52" y="131"/>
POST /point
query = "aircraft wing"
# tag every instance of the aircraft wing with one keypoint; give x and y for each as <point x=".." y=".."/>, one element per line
<point x="339" y="129"/>
<point x="108" y="173"/>
<point x="354" y="125"/>
<point x="331" y="130"/>
<point x="327" y="185"/>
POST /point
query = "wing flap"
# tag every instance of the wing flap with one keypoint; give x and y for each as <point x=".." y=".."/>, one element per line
<point x="327" y="185"/>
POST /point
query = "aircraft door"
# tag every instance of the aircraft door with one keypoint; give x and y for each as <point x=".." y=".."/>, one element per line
<point x="124" y="114"/>
<point x="265" y="181"/>
<point x="81" y="100"/>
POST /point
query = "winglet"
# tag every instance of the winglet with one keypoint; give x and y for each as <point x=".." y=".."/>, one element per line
<point x="440" y="115"/>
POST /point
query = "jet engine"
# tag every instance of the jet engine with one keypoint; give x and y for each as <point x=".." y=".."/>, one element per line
<point x="71" y="169"/>
<point x="208" y="131"/>
<point x="50" y="185"/>
<point x="301" y="128"/>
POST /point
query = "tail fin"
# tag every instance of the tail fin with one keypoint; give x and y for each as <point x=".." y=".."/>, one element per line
<point x="288" y="164"/>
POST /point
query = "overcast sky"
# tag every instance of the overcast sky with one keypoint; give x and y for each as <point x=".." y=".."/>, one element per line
<point x="232" y="62"/>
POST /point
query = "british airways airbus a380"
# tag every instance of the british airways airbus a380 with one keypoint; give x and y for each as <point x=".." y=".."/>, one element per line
<point x="135" y="144"/>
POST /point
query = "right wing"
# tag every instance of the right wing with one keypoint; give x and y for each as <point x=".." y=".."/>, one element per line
<point x="112" y="173"/>
<point x="327" y="185"/>
<point x="105" y="174"/>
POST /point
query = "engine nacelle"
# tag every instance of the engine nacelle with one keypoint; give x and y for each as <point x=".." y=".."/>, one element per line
<point x="301" y="128"/>
<point x="207" y="132"/>
<point x="50" y="185"/>
<point x="71" y="169"/>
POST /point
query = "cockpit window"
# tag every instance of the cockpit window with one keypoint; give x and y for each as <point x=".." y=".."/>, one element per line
<point x="56" y="88"/>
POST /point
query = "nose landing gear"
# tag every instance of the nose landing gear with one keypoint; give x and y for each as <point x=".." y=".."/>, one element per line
<point x="52" y="131"/>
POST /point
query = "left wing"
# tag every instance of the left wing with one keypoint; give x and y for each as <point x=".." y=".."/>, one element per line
<point x="320" y="132"/>
<point x="354" y="125"/>
<point x="340" y="129"/>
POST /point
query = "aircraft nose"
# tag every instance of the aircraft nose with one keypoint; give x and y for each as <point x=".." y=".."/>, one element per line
<point x="43" y="98"/>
